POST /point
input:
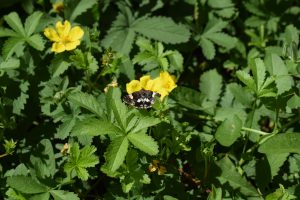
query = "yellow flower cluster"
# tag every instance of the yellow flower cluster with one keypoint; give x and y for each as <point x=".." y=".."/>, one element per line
<point x="64" y="37"/>
<point x="163" y="84"/>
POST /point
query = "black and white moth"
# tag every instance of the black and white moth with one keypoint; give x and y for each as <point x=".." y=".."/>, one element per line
<point x="142" y="99"/>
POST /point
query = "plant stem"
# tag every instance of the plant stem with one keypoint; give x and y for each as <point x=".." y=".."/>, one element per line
<point x="255" y="131"/>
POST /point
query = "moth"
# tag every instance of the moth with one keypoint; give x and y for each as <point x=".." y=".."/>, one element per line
<point x="142" y="99"/>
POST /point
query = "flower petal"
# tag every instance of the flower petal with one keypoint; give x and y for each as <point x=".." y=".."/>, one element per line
<point x="75" y="33"/>
<point x="51" y="34"/>
<point x="58" y="47"/>
<point x="133" y="86"/>
<point x="63" y="29"/>
<point x="72" y="45"/>
<point x="144" y="80"/>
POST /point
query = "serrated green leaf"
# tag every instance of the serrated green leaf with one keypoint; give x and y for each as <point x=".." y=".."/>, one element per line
<point x="237" y="181"/>
<point x="15" y="195"/>
<point x="211" y="86"/>
<point x="65" y="128"/>
<point x="26" y="185"/>
<point x="14" y="21"/>
<point x="259" y="72"/>
<point x="229" y="131"/>
<point x="58" y="66"/>
<point x="88" y="102"/>
<point x="116" y="153"/>
<point x="176" y="61"/>
<point x="9" y="64"/>
<point x="94" y="127"/>
<point x="5" y="32"/>
<point x="208" y="48"/>
<point x="215" y="194"/>
<point x="246" y="79"/>
<point x="143" y="142"/>
<point x="214" y="25"/>
<point x="12" y="45"/>
<point x="63" y="195"/>
<point x="32" y="22"/>
<point x="294" y="102"/>
<point x="116" y="107"/>
<point x="42" y="196"/>
<point x="240" y="94"/>
<point x="223" y="40"/>
<point x="281" y="143"/>
<point x="36" y="41"/>
<point x="43" y="159"/>
<point x="162" y="29"/>
<point x="19" y="103"/>
<point x="276" y="161"/>
<point x="145" y="122"/>
<point x="283" y="79"/>
<point x="79" y="160"/>
<point x="187" y="97"/>
<point x="75" y="9"/>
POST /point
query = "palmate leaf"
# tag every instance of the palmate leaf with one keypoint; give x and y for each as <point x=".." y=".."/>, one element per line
<point x="162" y="29"/>
<point x="143" y="142"/>
<point x="32" y="22"/>
<point x="80" y="159"/>
<point x="11" y="45"/>
<point x="145" y="122"/>
<point x="116" y="153"/>
<point x="26" y="185"/>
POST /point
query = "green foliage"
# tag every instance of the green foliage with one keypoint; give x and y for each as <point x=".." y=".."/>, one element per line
<point x="229" y="130"/>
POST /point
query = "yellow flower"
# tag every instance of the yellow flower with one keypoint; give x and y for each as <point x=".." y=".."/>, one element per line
<point x="58" y="7"/>
<point x="64" y="37"/>
<point x="133" y="86"/>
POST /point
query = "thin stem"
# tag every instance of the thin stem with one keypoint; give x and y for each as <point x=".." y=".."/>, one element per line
<point x="255" y="131"/>
<point x="3" y="155"/>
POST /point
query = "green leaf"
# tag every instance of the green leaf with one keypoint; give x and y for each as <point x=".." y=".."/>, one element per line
<point x="58" y="66"/>
<point x="12" y="45"/>
<point x="223" y="39"/>
<point x="208" y="48"/>
<point x="75" y="9"/>
<point x="42" y="196"/>
<point x="116" y="106"/>
<point x="237" y="181"/>
<point x="187" y="97"/>
<point x="259" y="72"/>
<point x="88" y="102"/>
<point x="214" y="25"/>
<point x="283" y="80"/>
<point x="9" y="64"/>
<point x="5" y="32"/>
<point x="26" y="185"/>
<point x="65" y="128"/>
<point x="211" y="86"/>
<point x="43" y="159"/>
<point x="276" y="161"/>
<point x="81" y="159"/>
<point x="281" y="143"/>
<point x="293" y="102"/>
<point x="145" y="122"/>
<point x="116" y="153"/>
<point x="19" y="103"/>
<point x="229" y="131"/>
<point x="143" y="142"/>
<point x="36" y="41"/>
<point x="14" y="21"/>
<point x="215" y="194"/>
<point x="63" y="195"/>
<point x="162" y="29"/>
<point x="246" y="79"/>
<point x="32" y="22"/>
<point x="94" y="127"/>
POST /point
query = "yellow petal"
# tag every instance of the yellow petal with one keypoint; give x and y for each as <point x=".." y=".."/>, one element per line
<point x="167" y="81"/>
<point x="149" y="85"/>
<point x="144" y="80"/>
<point x="51" y="34"/>
<point x="72" y="45"/>
<point x="75" y="33"/>
<point x="58" y="7"/>
<point x="133" y="86"/>
<point x="63" y="29"/>
<point x="58" y="47"/>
